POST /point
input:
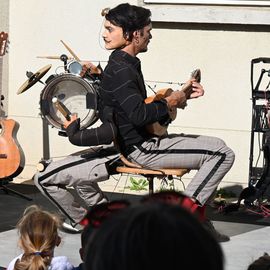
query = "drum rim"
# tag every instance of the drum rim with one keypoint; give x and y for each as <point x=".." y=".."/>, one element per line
<point x="87" y="84"/>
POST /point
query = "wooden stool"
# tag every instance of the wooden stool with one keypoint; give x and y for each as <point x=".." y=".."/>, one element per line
<point x="132" y="168"/>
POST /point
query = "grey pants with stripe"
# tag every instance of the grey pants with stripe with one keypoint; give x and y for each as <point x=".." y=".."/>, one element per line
<point x="80" y="171"/>
<point x="209" y="155"/>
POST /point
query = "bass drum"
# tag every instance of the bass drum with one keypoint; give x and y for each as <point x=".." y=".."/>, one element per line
<point x="78" y="95"/>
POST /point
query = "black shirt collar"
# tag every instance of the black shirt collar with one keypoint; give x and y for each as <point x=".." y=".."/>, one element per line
<point x="121" y="55"/>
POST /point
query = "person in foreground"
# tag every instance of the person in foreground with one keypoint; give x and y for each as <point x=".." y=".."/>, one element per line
<point x="128" y="33"/>
<point x="261" y="263"/>
<point x="38" y="232"/>
<point x="92" y="220"/>
<point x="152" y="236"/>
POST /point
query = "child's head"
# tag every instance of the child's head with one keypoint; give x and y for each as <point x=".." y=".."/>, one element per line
<point x="38" y="231"/>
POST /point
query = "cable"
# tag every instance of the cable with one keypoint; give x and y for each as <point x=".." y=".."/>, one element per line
<point x="100" y="35"/>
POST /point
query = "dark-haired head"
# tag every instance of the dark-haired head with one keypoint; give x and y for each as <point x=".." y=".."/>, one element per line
<point x="129" y="17"/>
<point x="153" y="236"/>
<point x="262" y="263"/>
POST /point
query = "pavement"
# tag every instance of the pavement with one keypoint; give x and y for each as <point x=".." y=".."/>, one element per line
<point x="249" y="232"/>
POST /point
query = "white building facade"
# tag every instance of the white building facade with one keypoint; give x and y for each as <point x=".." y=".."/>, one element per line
<point x="219" y="37"/>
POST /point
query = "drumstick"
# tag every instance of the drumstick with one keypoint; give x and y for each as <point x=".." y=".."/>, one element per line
<point x="54" y="57"/>
<point x="71" y="52"/>
<point x="62" y="108"/>
<point x="94" y="69"/>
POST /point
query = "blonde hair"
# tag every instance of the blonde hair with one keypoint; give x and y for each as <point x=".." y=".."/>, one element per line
<point x="38" y="231"/>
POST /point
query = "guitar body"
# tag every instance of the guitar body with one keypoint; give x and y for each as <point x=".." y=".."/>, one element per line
<point x="12" y="159"/>
<point x="157" y="128"/>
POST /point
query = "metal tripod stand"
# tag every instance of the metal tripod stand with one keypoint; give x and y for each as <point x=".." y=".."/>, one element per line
<point x="258" y="172"/>
<point x="7" y="190"/>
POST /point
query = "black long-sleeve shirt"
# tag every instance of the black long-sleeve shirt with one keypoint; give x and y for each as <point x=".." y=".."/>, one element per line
<point x="104" y="134"/>
<point x="122" y="87"/>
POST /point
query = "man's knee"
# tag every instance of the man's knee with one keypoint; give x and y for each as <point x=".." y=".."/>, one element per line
<point x="36" y="179"/>
<point x="40" y="183"/>
<point x="230" y="155"/>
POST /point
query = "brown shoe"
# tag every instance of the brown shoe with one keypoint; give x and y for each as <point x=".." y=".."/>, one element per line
<point x="208" y="225"/>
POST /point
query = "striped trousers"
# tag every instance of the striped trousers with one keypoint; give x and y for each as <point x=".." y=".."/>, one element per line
<point x="81" y="172"/>
<point x="210" y="156"/>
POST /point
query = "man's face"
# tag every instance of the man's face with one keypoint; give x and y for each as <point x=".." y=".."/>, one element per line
<point x="113" y="36"/>
<point x="144" y="37"/>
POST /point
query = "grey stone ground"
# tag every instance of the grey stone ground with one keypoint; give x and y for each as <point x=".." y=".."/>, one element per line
<point x="248" y="241"/>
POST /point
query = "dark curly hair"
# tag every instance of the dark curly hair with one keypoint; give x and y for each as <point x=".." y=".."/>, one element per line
<point x="129" y="17"/>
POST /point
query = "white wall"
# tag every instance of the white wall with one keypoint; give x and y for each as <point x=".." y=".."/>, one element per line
<point x="224" y="58"/>
<point x="36" y="28"/>
<point x="223" y="54"/>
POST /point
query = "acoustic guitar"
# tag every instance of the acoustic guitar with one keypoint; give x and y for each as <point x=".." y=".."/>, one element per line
<point x="11" y="155"/>
<point x="157" y="128"/>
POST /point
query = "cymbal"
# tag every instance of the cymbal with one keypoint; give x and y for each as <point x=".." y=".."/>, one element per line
<point x="33" y="79"/>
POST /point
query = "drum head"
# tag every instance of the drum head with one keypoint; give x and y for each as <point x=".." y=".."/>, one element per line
<point x="75" y="68"/>
<point x="77" y="94"/>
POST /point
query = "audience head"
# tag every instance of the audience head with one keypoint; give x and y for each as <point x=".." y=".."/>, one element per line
<point x="262" y="263"/>
<point x="95" y="217"/>
<point x="38" y="236"/>
<point x="153" y="236"/>
<point x="85" y="235"/>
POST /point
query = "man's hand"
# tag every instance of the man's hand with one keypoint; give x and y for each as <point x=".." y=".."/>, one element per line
<point x="87" y="66"/>
<point x="197" y="90"/>
<point x="73" y="117"/>
<point x="177" y="99"/>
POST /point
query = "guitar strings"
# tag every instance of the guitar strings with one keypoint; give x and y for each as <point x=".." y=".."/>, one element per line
<point x="176" y="83"/>
<point x="152" y="88"/>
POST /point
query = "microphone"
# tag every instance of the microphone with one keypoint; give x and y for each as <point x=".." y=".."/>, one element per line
<point x="64" y="58"/>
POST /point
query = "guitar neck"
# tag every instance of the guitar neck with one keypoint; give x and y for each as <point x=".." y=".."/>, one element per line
<point x="3" y="49"/>
<point x="187" y="89"/>
<point x="1" y="78"/>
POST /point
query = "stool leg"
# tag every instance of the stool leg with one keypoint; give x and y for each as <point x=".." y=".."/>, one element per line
<point x="151" y="184"/>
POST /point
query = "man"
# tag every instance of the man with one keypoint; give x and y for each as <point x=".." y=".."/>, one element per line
<point x="128" y="33"/>
<point x="80" y="171"/>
